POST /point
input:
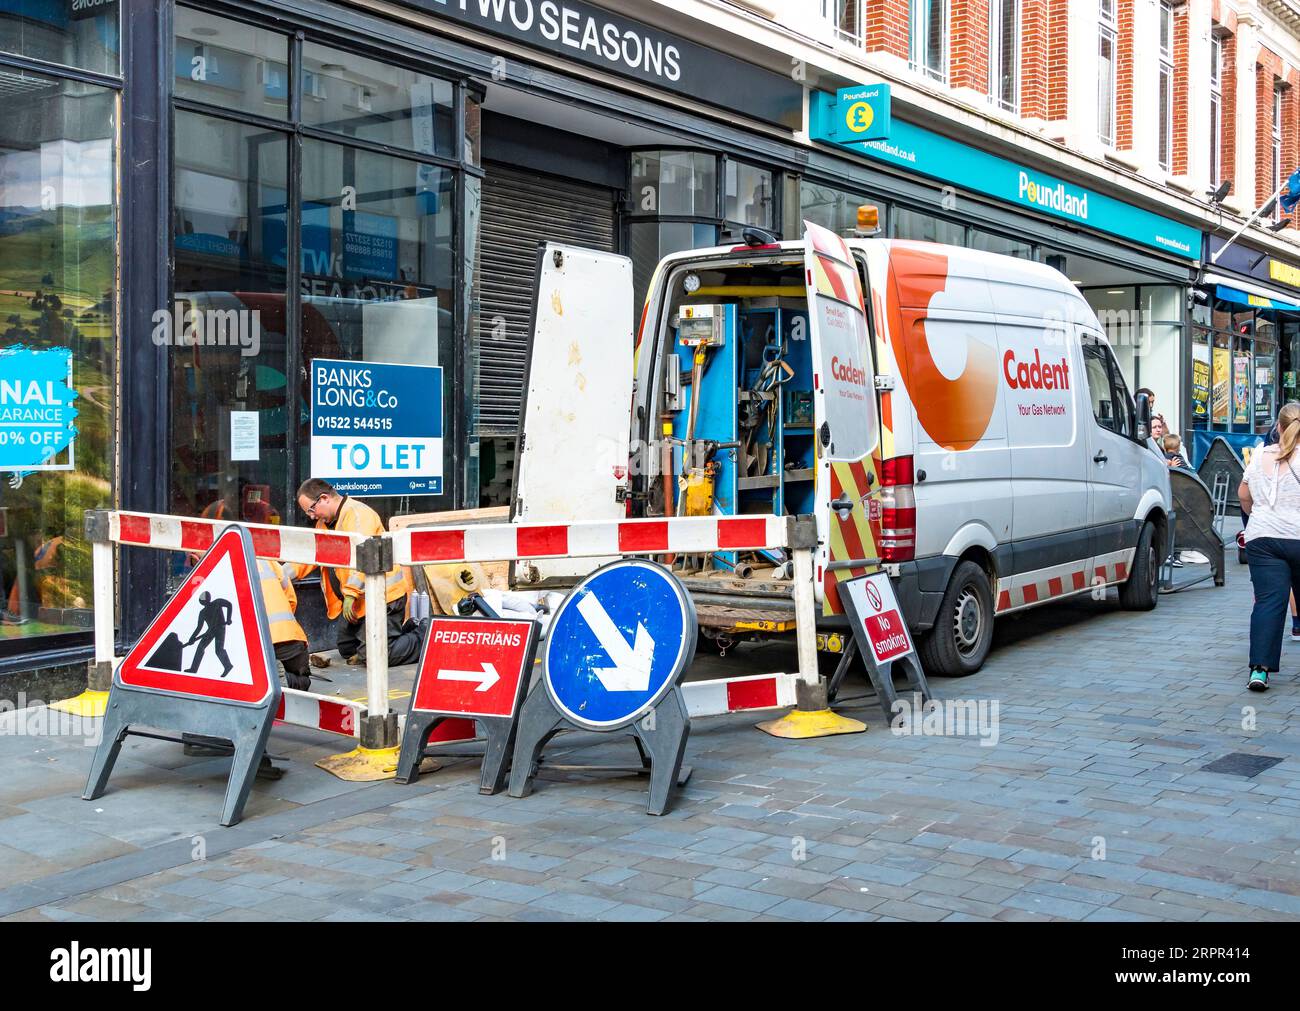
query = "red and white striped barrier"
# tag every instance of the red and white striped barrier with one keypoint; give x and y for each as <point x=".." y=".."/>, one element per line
<point x="739" y="694"/>
<point x="320" y="712"/>
<point x="282" y="544"/>
<point x="491" y="542"/>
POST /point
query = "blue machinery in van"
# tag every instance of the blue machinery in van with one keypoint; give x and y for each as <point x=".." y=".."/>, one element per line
<point x="742" y="414"/>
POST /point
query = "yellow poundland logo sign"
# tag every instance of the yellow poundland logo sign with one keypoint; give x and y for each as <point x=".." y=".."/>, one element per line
<point x="1284" y="272"/>
<point x="858" y="117"/>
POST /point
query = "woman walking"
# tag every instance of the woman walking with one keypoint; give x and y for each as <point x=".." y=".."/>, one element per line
<point x="1270" y="494"/>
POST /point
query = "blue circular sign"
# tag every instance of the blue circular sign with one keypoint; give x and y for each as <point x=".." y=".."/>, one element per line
<point x="618" y="644"/>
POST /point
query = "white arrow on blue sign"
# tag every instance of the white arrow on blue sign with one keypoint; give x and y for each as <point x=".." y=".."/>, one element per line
<point x="618" y="644"/>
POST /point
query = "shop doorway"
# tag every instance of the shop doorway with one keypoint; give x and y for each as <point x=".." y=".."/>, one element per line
<point x="521" y="209"/>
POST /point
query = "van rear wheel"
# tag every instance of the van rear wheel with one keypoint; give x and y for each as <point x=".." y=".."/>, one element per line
<point x="1140" y="593"/>
<point x="963" y="629"/>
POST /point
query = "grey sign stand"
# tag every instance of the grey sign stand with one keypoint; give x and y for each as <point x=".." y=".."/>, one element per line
<point x="660" y="736"/>
<point x="167" y="700"/>
<point x="245" y="727"/>
<point x="882" y="675"/>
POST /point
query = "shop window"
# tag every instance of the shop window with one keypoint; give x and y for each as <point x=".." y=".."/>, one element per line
<point x="749" y="195"/>
<point x="910" y="224"/>
<point x="357" y="97"/>
<point x="650" y="241"/>
<point x="232" y="65"/>
<point x="225" y="331"/>
<point x="56" y="32"/>
<point x="991" y="242"/>
<point x="57" y="277"/>
<point x="832" y="208"/>
<point x="675" y="183"/>
<point x="377" y="277"/>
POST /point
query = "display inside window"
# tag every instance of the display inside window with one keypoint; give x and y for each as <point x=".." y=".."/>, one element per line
<point x="58" y="353"/>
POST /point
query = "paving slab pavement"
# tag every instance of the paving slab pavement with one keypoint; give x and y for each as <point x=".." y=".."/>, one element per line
<point x="1086" y="797"/>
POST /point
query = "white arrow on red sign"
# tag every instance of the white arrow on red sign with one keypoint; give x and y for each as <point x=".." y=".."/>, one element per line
<point x="482" y="680"/>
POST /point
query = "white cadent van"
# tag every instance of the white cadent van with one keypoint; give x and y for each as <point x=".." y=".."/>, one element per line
<point x="953" y="416"/>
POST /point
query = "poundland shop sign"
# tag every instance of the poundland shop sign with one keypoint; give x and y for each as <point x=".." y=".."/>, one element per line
<point x="610" y="42"/>
<point x="925" y="152"/>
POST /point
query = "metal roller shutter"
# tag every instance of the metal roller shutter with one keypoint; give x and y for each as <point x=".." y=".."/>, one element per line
<point x="521" y="209"/>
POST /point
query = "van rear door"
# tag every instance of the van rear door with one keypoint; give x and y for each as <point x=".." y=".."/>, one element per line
<point x="844" y="397"/>
<point x="574" y="423"/>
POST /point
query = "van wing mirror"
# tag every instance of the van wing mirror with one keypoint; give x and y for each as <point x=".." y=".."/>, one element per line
<point x="1143" y="417"/>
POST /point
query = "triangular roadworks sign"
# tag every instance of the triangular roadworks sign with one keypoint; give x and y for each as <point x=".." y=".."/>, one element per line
<point x="211" y="640"/>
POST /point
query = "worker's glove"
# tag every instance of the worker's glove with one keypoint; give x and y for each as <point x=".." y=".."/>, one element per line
<point x="350" y="610"/>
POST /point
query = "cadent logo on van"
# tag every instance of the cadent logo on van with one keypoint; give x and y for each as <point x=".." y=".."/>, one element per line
<point x="1035" y="375"/>
<point x="1054" y="197"/>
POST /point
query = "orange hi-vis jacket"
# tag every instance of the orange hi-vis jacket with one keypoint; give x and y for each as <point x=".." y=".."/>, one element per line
<point x="336" y="583"/>
<point x="281" y="602"/>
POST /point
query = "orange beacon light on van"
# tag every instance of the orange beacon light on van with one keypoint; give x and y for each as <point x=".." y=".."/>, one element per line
<point x="868" y="220"/>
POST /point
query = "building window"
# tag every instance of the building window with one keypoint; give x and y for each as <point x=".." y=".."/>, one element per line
<point x="326" y="230"/>
<point x="848" y="17"/>
<point x="1276" y="160"/>
<point x="58" y="267"/>
<point x="1004" y="52"/>
<point x="1216" y="107"/>
<point x="929" y="38"/>
<point x="1165" y="139"/>
<point x="1106" y="72"/>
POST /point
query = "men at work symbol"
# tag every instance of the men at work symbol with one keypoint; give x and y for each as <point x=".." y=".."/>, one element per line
<point x="214" y="616"/>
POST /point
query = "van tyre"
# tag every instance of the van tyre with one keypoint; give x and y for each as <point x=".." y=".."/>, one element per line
<point x="1140" y="592"/>
<point x="963" y="629"/>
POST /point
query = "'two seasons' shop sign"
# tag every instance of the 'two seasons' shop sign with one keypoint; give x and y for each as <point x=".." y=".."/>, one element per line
<point x="620" y="45"/>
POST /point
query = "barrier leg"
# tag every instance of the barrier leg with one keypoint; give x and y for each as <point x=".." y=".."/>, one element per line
<point x="376" y="756"/>
<point x="101" y="766"/>
<point x="99" y="676"/>
<point x="813" y="717"/>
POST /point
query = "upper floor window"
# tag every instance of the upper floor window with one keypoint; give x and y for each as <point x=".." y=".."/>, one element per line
<point x="1165" y="137"/>
<point x="929" y="38"/>
<point x="1277" y="148"/>
<point x="848" y="17"/>
<point x="1106" y="72"/>
<point x="1004" y="53"/>
<point x="1216" y="107"/>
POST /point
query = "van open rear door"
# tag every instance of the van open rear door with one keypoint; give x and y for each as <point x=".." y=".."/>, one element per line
<point x="844" y="407"/>
<point x="574" y="424"/>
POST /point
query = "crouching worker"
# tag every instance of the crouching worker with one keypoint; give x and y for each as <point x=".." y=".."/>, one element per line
<point x="287" y="636"/>
<point x="345" y="589"/>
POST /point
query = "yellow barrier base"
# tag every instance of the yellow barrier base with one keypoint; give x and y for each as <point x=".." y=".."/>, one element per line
<point x="801" y="725"/>
<point x="87" y="704"/>
<point x="362" y="765"/>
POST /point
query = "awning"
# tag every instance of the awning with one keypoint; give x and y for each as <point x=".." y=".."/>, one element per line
<point x="1231" y="288"/>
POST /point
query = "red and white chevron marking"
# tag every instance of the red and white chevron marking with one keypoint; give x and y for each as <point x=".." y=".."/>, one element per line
<point x="284" y="544"/>
<point x="736" y="695"/>
<point x="1030" y="588"/>
<point x="491" y="542"/>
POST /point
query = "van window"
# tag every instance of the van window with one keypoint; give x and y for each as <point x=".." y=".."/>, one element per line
<point x="1111" y="404"/>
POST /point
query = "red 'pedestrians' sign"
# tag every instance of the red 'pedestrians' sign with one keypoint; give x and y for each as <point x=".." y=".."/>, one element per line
<point x="475" y="666"/>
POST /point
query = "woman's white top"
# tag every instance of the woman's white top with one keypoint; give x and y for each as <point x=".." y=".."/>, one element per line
<point x="1275" y="491"/>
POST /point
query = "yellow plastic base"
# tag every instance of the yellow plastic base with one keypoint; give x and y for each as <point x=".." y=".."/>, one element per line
<point x="362" y="765"/>
<point x="799" y="725"/>
<point x="87" y="704"/>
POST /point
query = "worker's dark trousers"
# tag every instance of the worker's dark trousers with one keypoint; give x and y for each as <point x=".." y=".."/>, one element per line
<point x="1274" y="572"/>
<point x="297" y="668"/>
<point x="403" y="647"/>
